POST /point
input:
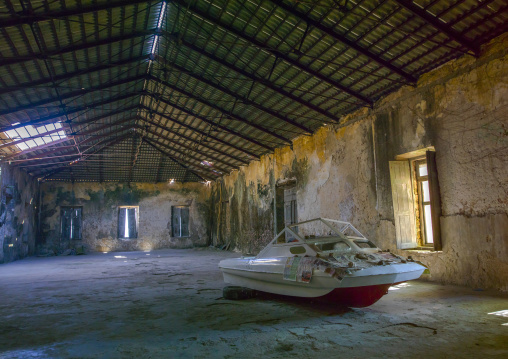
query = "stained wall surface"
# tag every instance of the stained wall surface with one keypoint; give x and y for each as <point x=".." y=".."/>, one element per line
<point x="18" y="209"/>
<point x="100" y="205"/>
<point x="342" y="171"/>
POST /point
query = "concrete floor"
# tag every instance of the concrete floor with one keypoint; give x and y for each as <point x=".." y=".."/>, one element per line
<point x="168" y="304"/>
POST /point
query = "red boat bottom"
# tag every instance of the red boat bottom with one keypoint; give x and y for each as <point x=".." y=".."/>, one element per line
<point x="357" y="297"/>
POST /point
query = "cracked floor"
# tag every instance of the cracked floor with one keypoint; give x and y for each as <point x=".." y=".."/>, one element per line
<point x="168" y="304"/>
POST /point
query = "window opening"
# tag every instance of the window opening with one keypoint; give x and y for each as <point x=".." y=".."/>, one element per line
<point x="128" y="222"/>
<point x="424" y="201"/>
<point x="71" y="223"/>
<point x="416" y="200"/>
<point x="180" y="219"/>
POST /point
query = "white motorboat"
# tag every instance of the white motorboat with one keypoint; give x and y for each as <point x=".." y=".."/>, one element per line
<point x="322" y="258"/>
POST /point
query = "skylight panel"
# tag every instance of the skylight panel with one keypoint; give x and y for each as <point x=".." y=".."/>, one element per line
<point x="30" y="132"/>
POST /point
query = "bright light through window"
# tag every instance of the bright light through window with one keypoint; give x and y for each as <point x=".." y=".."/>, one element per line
<point x="30" y="131"/>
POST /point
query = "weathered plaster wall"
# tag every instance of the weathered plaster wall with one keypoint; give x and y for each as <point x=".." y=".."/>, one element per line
<point x="100" y="203"/>
<point x="19" y="194"/>
<point x="342" y="171"/>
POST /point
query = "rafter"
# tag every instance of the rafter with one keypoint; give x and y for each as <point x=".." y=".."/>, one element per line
<point x="202" y="176"/>
<point x="245" y="101"/>
<point x="106" y="115"/>
<point x="199" y="160"/>
<point x="52" y="144"/>
<point x="14" y="143"/>
<point x="37" y="148"/>
<point x="439" y="25"/>
<point x="72" y="111"/>
<point x="87" y="45"/>
<point x="188" y="139"/>
<point x="214" y="124"/>
<point x="259" y="80"/>
<point x="73" y="94"/>
<point x="108" y="125"/>
<point x="111" y="143"/>
<point x="350" y="43"/>
<point x="224" y="111"/>
<point x="62" y="78"/>
<point x="274" y="52"/>
<point x="29" y="17"/>
<point x="203" y="133"/>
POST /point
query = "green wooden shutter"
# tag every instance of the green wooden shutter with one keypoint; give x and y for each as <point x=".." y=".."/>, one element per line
<point x="175" y="221"/>
<point x="290" y="215"/>
<point x="403" y="204"/>
<point x="184" y="213"/>
<point x="76" y="222"/>
<point x="121" y="222"/>
<point x="133" y="230"/>
<point x="65" y="214"/>
<point x="435" y="199"/>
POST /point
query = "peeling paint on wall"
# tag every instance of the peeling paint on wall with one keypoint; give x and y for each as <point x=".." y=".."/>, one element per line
<point x="19" y="197"/>
<point x="100" y="202"/>
<point x="342" y="171"/>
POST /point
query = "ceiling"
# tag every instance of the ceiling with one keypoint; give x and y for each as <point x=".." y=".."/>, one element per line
<point x="188" y="90"/>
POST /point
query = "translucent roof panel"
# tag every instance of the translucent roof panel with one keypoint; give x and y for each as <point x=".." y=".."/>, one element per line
<point x="36" y="136"/>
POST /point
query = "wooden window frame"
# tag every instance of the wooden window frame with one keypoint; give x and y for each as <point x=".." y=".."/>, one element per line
<point x="429" y="157"/>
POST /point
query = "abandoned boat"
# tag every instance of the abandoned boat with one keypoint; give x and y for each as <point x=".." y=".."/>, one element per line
<point x="322" y="258"/>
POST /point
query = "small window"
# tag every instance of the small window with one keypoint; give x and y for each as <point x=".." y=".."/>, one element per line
<point x="71" y="223"/>
<point x="416" y="202"/>
<point x="128" y="222"/>
<point x="180" y="221"/>
<point x="423" y="190"/>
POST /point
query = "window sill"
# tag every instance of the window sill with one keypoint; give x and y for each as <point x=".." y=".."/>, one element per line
<point x="423" y="250"/>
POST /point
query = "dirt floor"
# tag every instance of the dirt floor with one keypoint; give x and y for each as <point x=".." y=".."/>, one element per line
<point x="168" y="304"/>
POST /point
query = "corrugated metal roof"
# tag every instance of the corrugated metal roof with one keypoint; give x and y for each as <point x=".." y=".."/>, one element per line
<point x="228" y="80"/>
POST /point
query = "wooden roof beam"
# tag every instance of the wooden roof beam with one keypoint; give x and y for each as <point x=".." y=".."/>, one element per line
<point x="274" y="52"/>
<point x="229" y="144"/>
<point x="223" y="111"/>
<point x="349" y="43"/>
<point x="111" y="143"/>
<point x="259" y="80"/>
<point x="68" y="49"/>
<point x="193" y="141"/>
<point x="187" y="154"/>
<point x="62" y="78"/>
<point x="29" y="17"/>
<point x="246" y="101"/>
<point x="440" y="25"/>
<point x="74" y="110"/>
<point x="73" y="94"/>
<point x="202" y="176"/>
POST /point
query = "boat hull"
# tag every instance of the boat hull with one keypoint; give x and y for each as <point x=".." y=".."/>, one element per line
<point x="359" y="289"/>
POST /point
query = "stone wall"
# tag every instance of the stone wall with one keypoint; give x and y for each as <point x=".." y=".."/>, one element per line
<point x="100" y="202"/>
<point x="342" y="171"/>
<point x="18" y="209"/>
